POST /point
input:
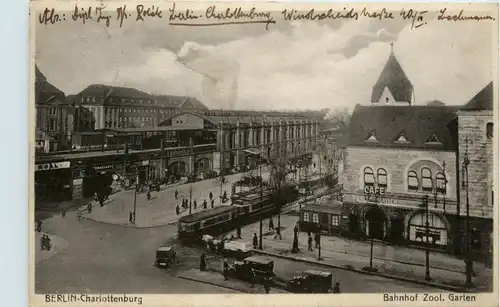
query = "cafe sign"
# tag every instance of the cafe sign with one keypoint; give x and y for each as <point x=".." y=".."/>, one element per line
<point x="52" y="166"/>
<point x="370" y="190"/>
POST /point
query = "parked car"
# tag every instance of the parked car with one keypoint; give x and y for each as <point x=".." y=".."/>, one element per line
<point x="237" y="250"/>
<point x="263" y="268"/>
<point x="311" y="281"/>
<point x="165" y="255"/>
<point x="154" y="185"/>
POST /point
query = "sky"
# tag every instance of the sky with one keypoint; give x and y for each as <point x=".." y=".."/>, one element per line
<point x="294" y="65"/>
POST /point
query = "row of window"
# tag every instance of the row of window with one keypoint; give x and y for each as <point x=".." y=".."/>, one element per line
<point x="425" y="182"/>
<point x="335" y="219"/>
<point x="123" y="100"/>
<point x="136" y="110"/>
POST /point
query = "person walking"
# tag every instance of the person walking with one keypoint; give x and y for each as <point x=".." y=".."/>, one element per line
<point x="253" y="277"/>
<point x="89" y="207"/>
<point x="194" y="204"/>
<point x="316" y="240"/>
<point x="255" y="241"/>
<point x="203" y="262"/>
<point x="204" y="204"/>
<point x="130" y="217"/>
<point x="238" y="232"/>
<point x="271" y="224"/>
<point x="267" y="285"/>
<point x="42" y="243"/>
<point x="177" y="210"/>
<point x="148" y="196"/>
<point x="211" y="196"/>
<point x="176" y="194"/>
<point x="336" y="289"/>
<point x="212" y="203"/>
<point x="225" y="269"/>
<point x="48" y="244"/>
<point x="309" y="243"/>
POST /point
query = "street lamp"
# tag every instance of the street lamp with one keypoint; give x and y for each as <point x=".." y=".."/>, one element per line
<point x="261" y="199"/>
<point x="427" y="247"/>
<point x="465" y="185"/>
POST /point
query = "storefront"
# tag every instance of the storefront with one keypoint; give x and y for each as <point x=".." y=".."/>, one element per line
<point x="435" y="234"/>
<point x="53" y="182"/>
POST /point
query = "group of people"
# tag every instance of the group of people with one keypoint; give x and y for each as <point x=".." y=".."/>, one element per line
<point x="45" y="244"/>
<point x="185" y="202"/>
<point x="310" y="241"/>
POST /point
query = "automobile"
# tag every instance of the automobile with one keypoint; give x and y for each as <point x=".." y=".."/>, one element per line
<point x="238" y="250"/>
<point x="311" y="281"/>
<point x="165" y="255"/>
<point x="262" y="267"/>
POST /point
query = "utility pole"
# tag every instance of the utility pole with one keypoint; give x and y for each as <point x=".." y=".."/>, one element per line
<point x="261" y="200"/>
<point x="135" y="194"/>
<point x="465" y="184"/>
<point x="427" y="246"/>
<point x="190" y="197"/>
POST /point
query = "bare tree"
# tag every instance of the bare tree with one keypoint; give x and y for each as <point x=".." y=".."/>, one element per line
<point x="339" y="117"/>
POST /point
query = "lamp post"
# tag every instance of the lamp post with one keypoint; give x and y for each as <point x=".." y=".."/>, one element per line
<point x="427" y="246"/>
<point x="135" y="194"/>
<point x="261" y="200"/>
<point x="465" y="185"/>
<point x="190" y="197"/>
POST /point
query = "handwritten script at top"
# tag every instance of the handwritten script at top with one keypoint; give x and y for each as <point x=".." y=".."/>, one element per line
<point x="215" y="15"/>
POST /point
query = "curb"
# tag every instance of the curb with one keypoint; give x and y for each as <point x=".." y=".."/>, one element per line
<point x="211" y="283"/>
<point x="425" y="283"/>
<point x="128" y="225"/>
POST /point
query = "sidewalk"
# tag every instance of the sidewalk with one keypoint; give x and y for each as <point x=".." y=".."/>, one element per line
<point x="58" y="244"/>
<point x="160" y="210"/>
<point x="393" y="260"/>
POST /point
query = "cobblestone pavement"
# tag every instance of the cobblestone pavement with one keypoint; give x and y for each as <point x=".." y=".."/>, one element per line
<point x="394" y="260"/>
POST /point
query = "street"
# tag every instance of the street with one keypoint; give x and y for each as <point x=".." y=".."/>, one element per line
<point x="103" y="258"/>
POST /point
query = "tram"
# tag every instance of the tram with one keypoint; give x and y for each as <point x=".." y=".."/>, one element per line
<point x="246" y="207"/>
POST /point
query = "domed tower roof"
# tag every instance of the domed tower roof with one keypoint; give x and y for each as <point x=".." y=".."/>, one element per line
<point x="394" y="80"/>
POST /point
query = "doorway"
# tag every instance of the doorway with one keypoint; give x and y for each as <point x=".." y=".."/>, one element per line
<point x="375" y="223"/>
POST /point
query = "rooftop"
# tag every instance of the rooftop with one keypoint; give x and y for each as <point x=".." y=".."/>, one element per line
<point x="402" y="126"/>
<point x="482" y="101"/>
<point x="394" y="78"/>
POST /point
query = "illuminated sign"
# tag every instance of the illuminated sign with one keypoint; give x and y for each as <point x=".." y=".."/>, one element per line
<point x="51" y="166"/>
<point x="370" y="198"/>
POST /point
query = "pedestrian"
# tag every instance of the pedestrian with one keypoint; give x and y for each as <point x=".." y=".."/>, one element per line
<point x="194" y="204"/>
<point x="63" y="214"/>
<point x="224" y="196"/>
<point x="177" y="210"/>
<point x="271" y="223"/>
<point x="212" y="203"/>
<point x="204" y="204"/>
<point x="89" y="207"/>
<point x="267" y="284"/>
<point x="255" y="241"/>
<point x="130" y="217"/>
<point x="48" y="246"/>
<point x="42" y="242"/>
<point x="252" y="278"/>
<point x="336" y="289"/>
<point x="148" y="196"/>
<point x="203" y="262"/>
<point x="211" y="196"/>
<point x="177" y="194"/>
<point x="238" y="232"/>
<point x="309" y="243"/>
<point x="316" y="240"/>
<point x="225" y="269"/>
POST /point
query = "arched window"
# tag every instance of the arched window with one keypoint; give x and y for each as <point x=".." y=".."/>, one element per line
<point x="315" y="218"/>
<point x="489" y="130"/>
<point x="440" y="183"/>
<point x="426" y="179"/>
<point x="369" y="179"/>
<point x="412" y="181"/>
<point x="382" y="177"/>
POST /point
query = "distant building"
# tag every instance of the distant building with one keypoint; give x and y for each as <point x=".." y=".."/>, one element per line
<point x="122" y="107"/>
<point x="244" y="137"/>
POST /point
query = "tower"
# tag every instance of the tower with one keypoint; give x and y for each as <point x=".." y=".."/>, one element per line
<point x="393" y="86"/>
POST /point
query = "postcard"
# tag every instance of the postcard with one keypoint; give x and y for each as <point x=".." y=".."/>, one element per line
<point x="263" y="154"/>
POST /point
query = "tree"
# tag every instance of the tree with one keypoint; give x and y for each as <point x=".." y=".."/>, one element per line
<point x="339" y="117"/>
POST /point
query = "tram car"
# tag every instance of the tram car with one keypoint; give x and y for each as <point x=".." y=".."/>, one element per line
<point x="246" y="208"/>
